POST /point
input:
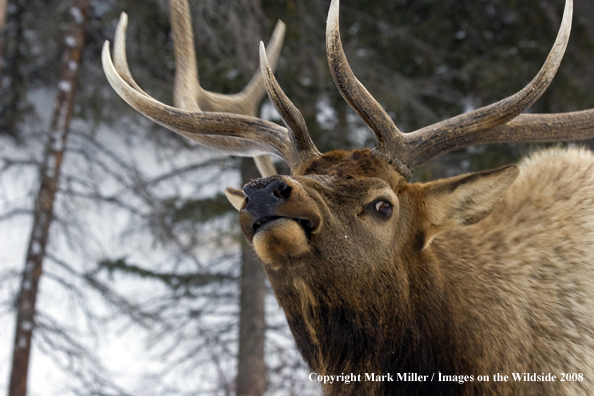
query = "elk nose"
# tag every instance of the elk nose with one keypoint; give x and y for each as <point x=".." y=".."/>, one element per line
<point x="264" y="195"/>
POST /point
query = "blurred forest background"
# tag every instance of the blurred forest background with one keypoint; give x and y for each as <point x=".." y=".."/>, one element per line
<point x="141" y="285"/>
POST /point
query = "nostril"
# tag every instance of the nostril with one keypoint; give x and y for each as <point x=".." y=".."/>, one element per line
<point x="263" y="196"/>
<point x="282" y="191"/>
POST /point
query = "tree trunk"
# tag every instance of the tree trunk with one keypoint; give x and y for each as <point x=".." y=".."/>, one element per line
<point x="3" y="7"/>
<point x="251" y="371"/>
<point x="50" y="171"/>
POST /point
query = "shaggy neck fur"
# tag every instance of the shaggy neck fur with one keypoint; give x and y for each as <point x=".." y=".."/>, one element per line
<point x="412" y="332"/>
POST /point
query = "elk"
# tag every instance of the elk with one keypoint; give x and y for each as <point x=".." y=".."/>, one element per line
<point x="481" y="274"/>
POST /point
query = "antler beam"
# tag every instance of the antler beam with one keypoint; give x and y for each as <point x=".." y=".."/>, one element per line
<point x="498" y="122"/>
<point x="233" y="133"/>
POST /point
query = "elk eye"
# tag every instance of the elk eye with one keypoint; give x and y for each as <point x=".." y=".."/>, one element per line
<point x="383" y="207"/>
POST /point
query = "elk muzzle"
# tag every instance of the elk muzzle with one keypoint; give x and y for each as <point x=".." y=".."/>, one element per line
<point x="278" y="218"/>
<point x="263" y="196"/>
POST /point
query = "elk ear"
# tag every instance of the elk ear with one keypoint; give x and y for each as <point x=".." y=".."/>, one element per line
<point x="464" y="200"/>
<point x="235" y="196"/>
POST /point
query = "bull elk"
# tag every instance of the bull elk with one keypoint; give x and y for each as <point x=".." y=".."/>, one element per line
<point x="479" y="274"/>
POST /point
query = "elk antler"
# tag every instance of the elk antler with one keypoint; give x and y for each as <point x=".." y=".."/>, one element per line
<point x="489" y="124"/>
<point x="289" y="113"/>
<point x="189" y="95"/>
<point x="204" y="116"/>
<point x="248" y="136"/>
<point x="388" y="135"/>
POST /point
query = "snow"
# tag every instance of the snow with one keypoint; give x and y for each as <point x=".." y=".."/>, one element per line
<point x="65" y="86"/>
<point x="27" y="326"/>
<point x="50" y="166"/>
<point x="22" y="342"/>
<point x="78" y="17"/>
<point x="36" y="248"/>
<point x="326" y="115"/>
<point x="57" y="142"/>
<point x="70" y="41"/>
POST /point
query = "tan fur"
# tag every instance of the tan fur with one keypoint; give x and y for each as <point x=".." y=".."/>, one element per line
<point x="280" y="238"/>
<point x="527" y="287"/>
<point x="308" y="304"/>
<point x="495" y="271"/>
<point x="464" y="200"/>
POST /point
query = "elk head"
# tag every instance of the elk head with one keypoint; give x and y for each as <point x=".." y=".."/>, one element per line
<point x="346" y="240"/>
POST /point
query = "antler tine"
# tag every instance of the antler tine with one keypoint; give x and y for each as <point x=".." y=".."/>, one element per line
<point x="468" y="129"/>
<point x="119" y="53"/>
<point x="189" y="95"/>
<point x="289" y="113"/>
<point x="187" y="88"/>
<point x="389" y="137"/>
<point x="255" y="89"/>
<point x="247" y="100"/>
<point x="233" y="133"/>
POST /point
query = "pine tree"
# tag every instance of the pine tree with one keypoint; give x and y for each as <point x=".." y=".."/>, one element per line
<point x="49" y="178"/>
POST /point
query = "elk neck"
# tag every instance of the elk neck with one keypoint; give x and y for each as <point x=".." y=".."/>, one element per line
<point x="396" y="320"/>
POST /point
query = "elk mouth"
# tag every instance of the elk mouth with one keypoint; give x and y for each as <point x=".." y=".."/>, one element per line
<point x="306" y="225"/>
